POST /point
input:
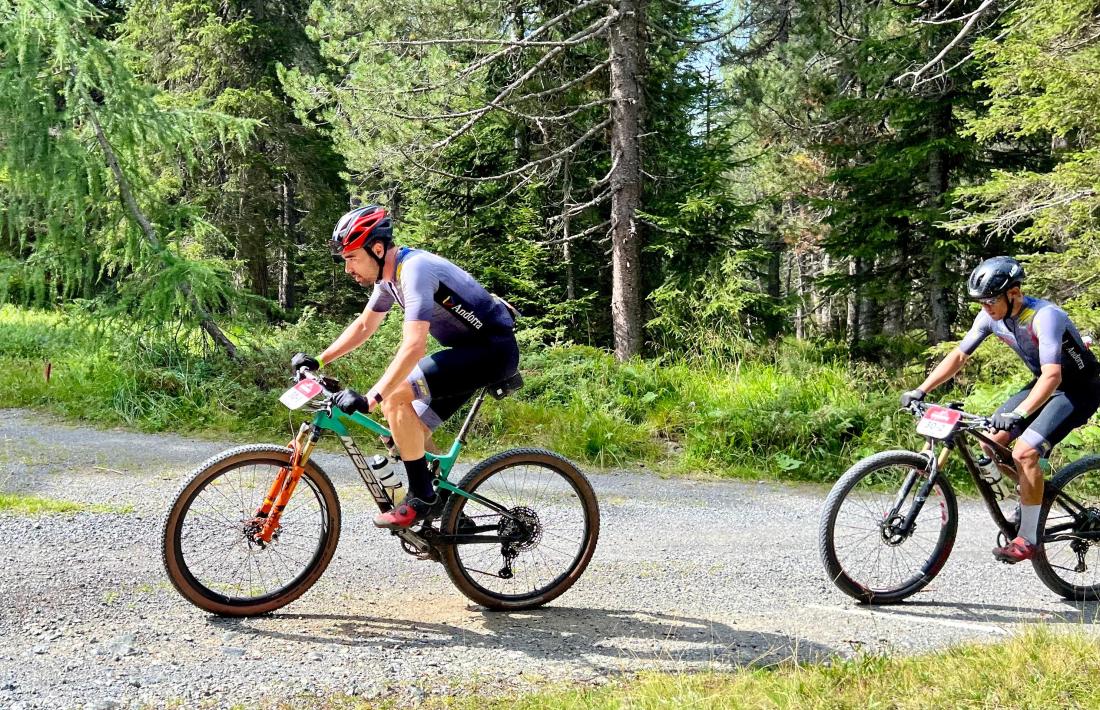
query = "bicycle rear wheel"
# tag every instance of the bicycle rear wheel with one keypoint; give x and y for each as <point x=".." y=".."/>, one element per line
<point x="864" y="553"/>
<point x="553" y="514"/>
<point x="1068" y="561"/>
<point x="208" y="539"/>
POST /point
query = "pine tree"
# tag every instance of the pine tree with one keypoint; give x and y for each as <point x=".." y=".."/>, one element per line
<point x="89" y="165"/>
<point x="557" y="110"/>
<point x="273" y="196"/>
<point x="1041" y="71"/>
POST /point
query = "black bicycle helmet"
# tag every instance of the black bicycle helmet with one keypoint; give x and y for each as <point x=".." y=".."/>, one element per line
<point x="994" y="277"/>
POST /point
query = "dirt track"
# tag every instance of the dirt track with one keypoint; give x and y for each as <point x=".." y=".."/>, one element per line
<point x="688" y="574"/>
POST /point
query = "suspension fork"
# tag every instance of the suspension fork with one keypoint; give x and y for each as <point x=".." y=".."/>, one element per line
<point x="934" y="464"/>
<point x="282" y="488"/>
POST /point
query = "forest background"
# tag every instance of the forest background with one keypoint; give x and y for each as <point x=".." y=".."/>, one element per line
<point x="736" y="230"/>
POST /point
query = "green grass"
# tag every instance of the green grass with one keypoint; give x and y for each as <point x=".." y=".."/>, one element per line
<point x="21" y="504"/>
<point x="785" y="410"/>
<point x="1038" y="669"/>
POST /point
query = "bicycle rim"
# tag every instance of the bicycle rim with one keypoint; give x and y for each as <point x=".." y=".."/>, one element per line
<point x="219" y="556"/>
<point x="865" y="554"/>
<point x="1070" y="562"/>
<point x="555" y="510"/>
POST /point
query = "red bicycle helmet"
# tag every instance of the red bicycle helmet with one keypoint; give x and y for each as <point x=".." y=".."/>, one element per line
<point x="361" y="228"/>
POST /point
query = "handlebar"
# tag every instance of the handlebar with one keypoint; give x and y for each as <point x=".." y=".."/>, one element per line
<point x="328" y="384"/>
<point x="973" y="421"/>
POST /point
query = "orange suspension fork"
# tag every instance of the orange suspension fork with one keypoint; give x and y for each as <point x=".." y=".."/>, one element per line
<point x="282" y="488"/>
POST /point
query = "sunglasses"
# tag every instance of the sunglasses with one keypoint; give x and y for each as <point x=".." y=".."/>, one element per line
<point x="989" y="301"/>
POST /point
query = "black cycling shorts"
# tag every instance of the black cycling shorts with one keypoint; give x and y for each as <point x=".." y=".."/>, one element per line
<point x="444" y="381"/>
<point x="1062" y="413"/>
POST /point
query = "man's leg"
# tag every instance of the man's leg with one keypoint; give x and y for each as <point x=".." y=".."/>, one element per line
<point x="408" y="433"/>
<point x="1004" y="437"/>
<point x="407" y="429"/>
<point x="1055" y="419"/>
<point x="1001" y="437"/>
<point x="1027" y="458"/>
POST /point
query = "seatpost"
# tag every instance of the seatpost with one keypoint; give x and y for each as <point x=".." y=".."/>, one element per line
<point x="470" y="418"/>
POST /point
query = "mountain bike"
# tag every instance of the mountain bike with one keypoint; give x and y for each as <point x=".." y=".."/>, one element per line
<point x="889" y="523"/>
<point x="253" y="528"/>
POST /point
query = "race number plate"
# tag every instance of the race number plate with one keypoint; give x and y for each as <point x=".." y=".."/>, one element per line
<point x="301" y="393"/>
<point x="939" y="422"/>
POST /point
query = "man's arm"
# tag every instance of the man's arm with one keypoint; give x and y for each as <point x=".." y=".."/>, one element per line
<point x="943" y="372"/>
<point x="354" y="335"/>
<point x="414" y="345"/>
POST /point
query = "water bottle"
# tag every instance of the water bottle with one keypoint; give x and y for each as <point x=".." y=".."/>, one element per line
<point x="384" y="471"/>
<point x="991" y="474"/>
<point x="1004" y="488"/>
<point x="989" y="471"/>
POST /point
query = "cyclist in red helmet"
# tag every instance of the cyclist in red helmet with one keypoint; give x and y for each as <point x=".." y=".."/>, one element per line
<point x="417" y="392"/>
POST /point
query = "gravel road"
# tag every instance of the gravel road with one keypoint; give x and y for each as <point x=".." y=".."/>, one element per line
<point x="688" y="575"/>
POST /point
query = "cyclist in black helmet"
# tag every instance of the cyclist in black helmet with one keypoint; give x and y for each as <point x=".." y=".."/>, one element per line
<point x="1062" y="397"/>
<point x="417" y="392"/>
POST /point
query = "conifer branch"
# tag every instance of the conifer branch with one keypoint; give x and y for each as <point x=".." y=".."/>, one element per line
<point x="126" y="194"/>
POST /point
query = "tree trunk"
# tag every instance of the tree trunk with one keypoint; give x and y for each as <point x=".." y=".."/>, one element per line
<point x="289" y="249"/>
<point x="519" y="140"/>
<point x="853" y="304"/>
<point x="942" y="314"/>
<point x="626" y="178"/>
<point x="870" y="311"/>
<point x="826" y="307"/>
<point x="205" y="321"/>
<point x="800" y="292"/>
<point x="566" y="245"/>
<point x="894" y="310"/>
<point x="774" y="285"/>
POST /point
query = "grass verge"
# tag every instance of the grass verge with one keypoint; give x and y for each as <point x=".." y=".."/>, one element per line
<point x="20" y="504"/>
<point x="786" y="410"/>
<point x="1040" y="668"/>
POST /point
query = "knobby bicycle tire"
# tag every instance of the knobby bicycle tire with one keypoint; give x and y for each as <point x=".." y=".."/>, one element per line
<point x="827" y="538"/>
<point x="220" y="603"/>
<point x="1044" y="567"/>
<point x="482" y="473"/>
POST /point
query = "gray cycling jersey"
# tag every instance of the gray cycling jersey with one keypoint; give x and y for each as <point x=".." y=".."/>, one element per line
<point x="430" y="288"/>
<point x="1042" y="334"/>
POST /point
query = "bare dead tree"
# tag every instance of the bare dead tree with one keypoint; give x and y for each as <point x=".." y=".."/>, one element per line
<point x="970" y="23"/>
<point x="542" y="76"/>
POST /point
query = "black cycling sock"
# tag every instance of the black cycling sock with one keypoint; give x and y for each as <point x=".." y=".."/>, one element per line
<point x="420" y="479"/>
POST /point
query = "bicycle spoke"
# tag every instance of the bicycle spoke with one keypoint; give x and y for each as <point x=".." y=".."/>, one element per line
<point x="859" y="541"/>
<point x="561" y="523"/>
<point x="224" y="507"/>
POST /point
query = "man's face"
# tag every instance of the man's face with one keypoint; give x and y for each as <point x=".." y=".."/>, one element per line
<point x="999" y="307"/>
<point x="360" y="266"/>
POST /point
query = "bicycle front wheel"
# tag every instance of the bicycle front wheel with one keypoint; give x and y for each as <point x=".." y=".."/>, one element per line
<point x="553" y="521"/>
<point x="209" y="544"/>
<point x="1068" y="560"/>
<point x="863" y="547"/>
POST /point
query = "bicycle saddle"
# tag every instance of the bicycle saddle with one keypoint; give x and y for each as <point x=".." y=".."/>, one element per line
<point x="503" y="388"/>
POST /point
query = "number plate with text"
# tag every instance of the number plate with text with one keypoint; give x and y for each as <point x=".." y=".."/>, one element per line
<point x="939" y="422"/>
<point x="301" y="393"/>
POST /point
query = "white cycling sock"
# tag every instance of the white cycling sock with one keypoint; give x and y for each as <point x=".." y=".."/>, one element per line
<point x="1029" y="522"/>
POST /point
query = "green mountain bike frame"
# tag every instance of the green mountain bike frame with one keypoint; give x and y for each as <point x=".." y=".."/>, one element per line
<point x="328" y="418"/>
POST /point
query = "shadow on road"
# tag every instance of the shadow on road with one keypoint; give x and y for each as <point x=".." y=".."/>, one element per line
<point x="584" y="637"/>
<point x="1071" y="613"/>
